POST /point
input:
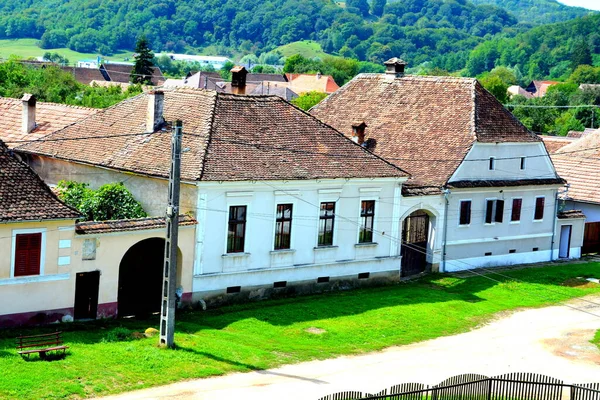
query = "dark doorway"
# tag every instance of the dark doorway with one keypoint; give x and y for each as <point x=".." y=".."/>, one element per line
<point x="87" y="285"/>
<point x="140" y="278"/>
<point x="415" y="232"/>
<point x="564" y="246"/>
<point x="591" y="238"/>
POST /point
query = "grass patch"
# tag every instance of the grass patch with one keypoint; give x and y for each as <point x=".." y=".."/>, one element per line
<point x="596" y="339"/>
<point x="27" y="48"/>
<point x="107" y="357"/>
<point x="306" y="48"/>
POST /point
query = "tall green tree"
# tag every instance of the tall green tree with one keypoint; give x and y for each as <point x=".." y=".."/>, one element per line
<point x="581" y="54"/>
<point x="377" y="7"/>
<point x="142" y="70"/>
<point x="361" y="5"/>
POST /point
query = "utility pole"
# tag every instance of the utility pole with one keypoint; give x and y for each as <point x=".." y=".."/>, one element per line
<point x="167" y="313"/>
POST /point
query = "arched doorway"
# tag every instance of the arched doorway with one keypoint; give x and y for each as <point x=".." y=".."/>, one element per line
<point x="140" y="278"/>
<point x="415" y="246"/>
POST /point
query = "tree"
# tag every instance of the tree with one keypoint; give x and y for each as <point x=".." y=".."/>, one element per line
<point x="361" y="5"/>
<point x="581" y="54"/>
<point x="109" y="202"/>
<point x="496" y="87"/>
<point x="377" y="7"/>
<point x="585" y="74"/>
<point x="142" y="70"/>
<point x="308" y="100"/>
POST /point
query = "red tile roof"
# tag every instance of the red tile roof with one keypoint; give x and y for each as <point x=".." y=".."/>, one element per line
<point x="230" y="138"/>
<point x="23" y="194"/>
<point x="579" y="164"/>
<point x="50" y="117"/>
<point x="425" y="125"/>
<point x="124" y="225"/>
<point x="122" y="73"/>
<point x="554" y="143"/>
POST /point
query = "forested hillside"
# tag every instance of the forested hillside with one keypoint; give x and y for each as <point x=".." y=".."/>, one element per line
<point x="548" y="51"/>
<point x="416" y="29"/>
<point x="538" y="11"/>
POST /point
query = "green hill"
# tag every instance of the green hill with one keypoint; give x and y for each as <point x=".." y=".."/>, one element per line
<point x="538" y="11"/>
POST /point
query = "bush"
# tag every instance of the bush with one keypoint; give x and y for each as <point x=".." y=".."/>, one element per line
<point x="119" y="334"/>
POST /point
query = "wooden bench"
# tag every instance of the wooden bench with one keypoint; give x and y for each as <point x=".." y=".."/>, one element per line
<point x="42" y="344"/>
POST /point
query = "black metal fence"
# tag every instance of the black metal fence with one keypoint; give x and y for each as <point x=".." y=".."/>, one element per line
<point x="515" y="386"/>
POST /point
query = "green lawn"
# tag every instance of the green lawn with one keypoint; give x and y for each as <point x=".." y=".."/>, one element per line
<point x="271" y="333"/>
<point x="596" y="339"/>
<point x="27" y="48"/>
<point x="306" y="48"/>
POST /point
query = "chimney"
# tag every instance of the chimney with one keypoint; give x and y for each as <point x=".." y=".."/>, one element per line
<point x="238" y="80"/>
<point x="28" y="118"/>
<point x="394" y="67"/>
<point x="358" y="132"/>
<point x="318" y="75"/>
<point x="154" y="117"/>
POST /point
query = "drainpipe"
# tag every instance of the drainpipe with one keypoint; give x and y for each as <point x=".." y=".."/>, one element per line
<point x="554" y="226"/>
<point x="447" y="201"/>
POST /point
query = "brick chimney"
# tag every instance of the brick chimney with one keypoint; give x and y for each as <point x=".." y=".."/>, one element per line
<point x="154" y="116"/>
<point x="238" y="80"/>
<point x="394" y="67"/>
<point x="28" y="117"/>
<point x="358" y="132"/>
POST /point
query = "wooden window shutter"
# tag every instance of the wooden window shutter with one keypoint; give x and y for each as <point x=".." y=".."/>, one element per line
<point x="499" y="211"/>
<point x="27" y="254"/>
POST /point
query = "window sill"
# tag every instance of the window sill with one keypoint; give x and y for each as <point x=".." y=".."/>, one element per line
<point x="538" y="220"/>
<point x="464" y="226"/>
<point x="283" y="251"/>
<point x="367" y="244"/>
<point x="235" y="255"/>
<point x="326" y="247"/>
<point x="515" y="222"/>
<point x="34" y="279"/>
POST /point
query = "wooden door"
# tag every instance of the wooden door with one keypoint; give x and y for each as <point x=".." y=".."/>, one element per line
<point x="87" y="285"/>
<point x="415" y="232"/>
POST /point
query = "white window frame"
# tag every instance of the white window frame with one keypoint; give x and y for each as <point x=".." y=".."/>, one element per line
<point x="535" y="207"/>
<point x="375" y="214"/>
<point x="245" y="199"/>
<point x="512" y="199"/>
<point x="470" y="216"/>
<point x="336" y="221"/>
<point x="284" y="200"/>
<point x="16" y="232"/>
<point x="494" y="208"/>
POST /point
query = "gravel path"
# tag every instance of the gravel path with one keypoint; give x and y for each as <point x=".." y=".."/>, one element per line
<point x="552" y="341"/>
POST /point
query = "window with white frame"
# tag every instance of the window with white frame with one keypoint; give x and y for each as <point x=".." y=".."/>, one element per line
<point x="539" y="208"/>
<point x="326" y="223"/>
<point x="465" y="212"/>
<point x="283" y="227"/>
<point x="367" y="220"/>
<point x="28" y="252"/>
<point x="237" y="229"/>
<point x="515" y="215"/>
<point x="492" y="164"/>
<point x="494" y="211"/>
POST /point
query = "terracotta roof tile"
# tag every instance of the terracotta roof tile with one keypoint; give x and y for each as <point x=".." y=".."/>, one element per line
<point x="122" y="73"/>
<point x="554" y="143"/>
<point x="50" y="117"/>
<point x="123" y="225"/>
<point x="570" y="214"/>
<point x="425" y="125"/>
<point x="302" y="83"/>
<point x="230" y="138"/>
<point x="579" y="164"/>
<point x="23" y="194"/>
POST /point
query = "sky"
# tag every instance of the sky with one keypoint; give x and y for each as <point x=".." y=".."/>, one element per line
<point x="591" y="4"/>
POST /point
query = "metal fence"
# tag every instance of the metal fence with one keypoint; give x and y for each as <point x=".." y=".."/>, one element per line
<point x="515" y="386"/>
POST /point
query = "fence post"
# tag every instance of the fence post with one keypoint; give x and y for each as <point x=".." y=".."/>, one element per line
<point x="489" y="395"/>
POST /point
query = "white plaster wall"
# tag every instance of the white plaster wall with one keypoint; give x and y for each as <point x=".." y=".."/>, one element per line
<point x="475" y="240"/>
<point x="152" y="193"/>
<point x="217" y="270"/>
<point x="591" y="211"/>
<point x="507" y="163"/>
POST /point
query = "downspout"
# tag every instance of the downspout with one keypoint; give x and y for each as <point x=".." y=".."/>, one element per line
<point x="445" y="234"/>
<point x="554" y="226"/>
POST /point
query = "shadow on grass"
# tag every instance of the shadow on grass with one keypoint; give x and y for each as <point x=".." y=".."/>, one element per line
<point x="249" y="367"/>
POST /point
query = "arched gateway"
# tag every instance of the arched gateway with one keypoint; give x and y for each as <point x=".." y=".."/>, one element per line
<point x="416" y="231"/>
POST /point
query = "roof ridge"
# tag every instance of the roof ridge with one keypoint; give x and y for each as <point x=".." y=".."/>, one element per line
<point x="211" y="125"/>
<point x="54" y="104"/>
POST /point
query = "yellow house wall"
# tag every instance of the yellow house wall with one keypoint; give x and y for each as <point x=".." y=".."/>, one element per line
<point x="30" y="294"/>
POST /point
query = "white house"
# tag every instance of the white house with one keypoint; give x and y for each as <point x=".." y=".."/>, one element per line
<point x="482" y="190"/>
<point x="281" y="200"/>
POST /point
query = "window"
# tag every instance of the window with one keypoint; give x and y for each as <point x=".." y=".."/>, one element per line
<point x="367" y="217"/>
<point x="283" y="226"/>
<point x="492" y="165"/>
<point x="539" y="209"/>
<point x="237" y="229"/>
<point x="522" y="162"/>
<point x="326" y="219"/>
<point x="515" y="214"/>
<point x="465" y="212"/>
<point x="28" y="253"/>
<point x="494" y="211"/>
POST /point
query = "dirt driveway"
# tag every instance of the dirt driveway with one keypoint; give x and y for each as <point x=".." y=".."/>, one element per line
<point x="552" y="341"/>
